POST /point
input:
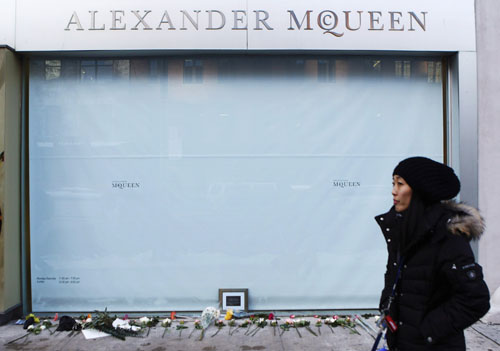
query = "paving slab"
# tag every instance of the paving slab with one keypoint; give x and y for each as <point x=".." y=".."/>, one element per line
<point x="480" y="337"/>
<point x="490" y="332"/>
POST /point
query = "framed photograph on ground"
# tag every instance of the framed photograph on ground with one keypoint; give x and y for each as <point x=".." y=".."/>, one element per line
<point x="235" y="299"/>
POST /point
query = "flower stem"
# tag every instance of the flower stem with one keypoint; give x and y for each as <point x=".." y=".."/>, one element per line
<point x="202" y="334"/>
<point x="163" y="335"/>
<point x="311" y="331"/>
<point x="329" y="326"/>
<point x="354" y="331"/>
<point x="256" y="331"/>
<point x="319" y="330"/>
<point x="297" y="329"/>
<point x="19" y="338"/>
<point x="217" y="332"/>
<point x="231" y="333"/>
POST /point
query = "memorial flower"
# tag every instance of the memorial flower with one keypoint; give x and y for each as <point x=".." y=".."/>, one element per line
<point x="260" y="323"/>
<point x="229" y="315"/>
<point x="180" y="327"/>
<point x="196" y="325"/>
<point x="318" y="325"/>
<point x="209" y="315"/>
<point x="303" y="323"/>
<point x="219" y="324"/>
<point x="329" y="322"/>
<point x="231" y="323"/>
<point x="104" y="323"/>
<point x="166" y="323"/>
<point x="346" y="322"/>
<point x="246" y="324"/>
<point x="274" y="323"/>
<point x="286" y="326"/>
<point x="149" y="323"/>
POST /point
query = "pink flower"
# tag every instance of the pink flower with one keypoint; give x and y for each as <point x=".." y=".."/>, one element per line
<point x="292" y="316"/>
<point x="271" y="316"/>
<point x="316" y="316"/>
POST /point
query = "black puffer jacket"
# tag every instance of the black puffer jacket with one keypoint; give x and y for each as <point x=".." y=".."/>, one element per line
<point x="441" y="290"/>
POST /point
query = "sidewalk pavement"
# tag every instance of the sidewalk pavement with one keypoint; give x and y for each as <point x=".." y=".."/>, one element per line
<point x="479" y="337"/>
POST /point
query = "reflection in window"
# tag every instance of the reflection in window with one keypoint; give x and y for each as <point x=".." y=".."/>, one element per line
<point x="52" y="69"/>
<point x="225" y="68"/>
<point x="434" y="72"/>
<point x="121" y="68"/>
<point x="159" y="69"/>
<point x="90" y="70"/>
<point x="402" y="69"/>
<point x="193" y="71"/>
<point x="376" y="65"/>
<point x="326" y="70"/>
<point x="296" y="68"/>
<point x="104" y="69"/>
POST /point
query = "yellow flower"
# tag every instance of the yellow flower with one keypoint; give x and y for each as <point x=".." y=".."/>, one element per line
<point x="229" y="315"/>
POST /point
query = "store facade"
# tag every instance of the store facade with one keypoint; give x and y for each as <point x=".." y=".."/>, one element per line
<point x="171" y="151"/>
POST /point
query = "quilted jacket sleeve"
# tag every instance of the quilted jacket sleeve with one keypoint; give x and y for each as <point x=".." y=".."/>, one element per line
<point x="467" y="296"/>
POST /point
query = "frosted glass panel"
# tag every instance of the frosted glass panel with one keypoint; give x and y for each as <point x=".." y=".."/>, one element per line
<point x="155" y="182"/>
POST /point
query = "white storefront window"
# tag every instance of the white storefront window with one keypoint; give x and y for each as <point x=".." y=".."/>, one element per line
<point x="155" y="182"/>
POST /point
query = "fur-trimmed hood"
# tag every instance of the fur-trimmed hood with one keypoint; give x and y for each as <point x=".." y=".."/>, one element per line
<point x="465" y="220"/>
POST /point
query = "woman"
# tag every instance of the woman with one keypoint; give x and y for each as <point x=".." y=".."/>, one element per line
<point x="433" y="288"/>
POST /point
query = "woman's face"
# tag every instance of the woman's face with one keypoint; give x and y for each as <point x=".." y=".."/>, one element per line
<point x="401" y="193"/>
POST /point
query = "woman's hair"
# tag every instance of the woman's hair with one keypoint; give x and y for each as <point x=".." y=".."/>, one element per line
<point x="413" y="221"/>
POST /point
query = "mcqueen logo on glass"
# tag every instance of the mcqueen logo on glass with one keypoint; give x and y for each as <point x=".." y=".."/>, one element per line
<point x="123" y="184"/>
<point x="345" y="183"/>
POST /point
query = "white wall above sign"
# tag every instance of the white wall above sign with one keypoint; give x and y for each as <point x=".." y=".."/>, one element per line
<point x="7" y="22"/>
<point x="423" y="25"/>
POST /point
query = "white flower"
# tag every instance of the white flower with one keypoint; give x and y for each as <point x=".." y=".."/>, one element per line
<point x="144" y="320"/>
<point x="261" y="320"/>
<point x="43" y="327"/>
<point x="31" y="327"/>
<point x="208" y="316"/>
<point x="135" y="328"/>
<point x="120" y="323"/>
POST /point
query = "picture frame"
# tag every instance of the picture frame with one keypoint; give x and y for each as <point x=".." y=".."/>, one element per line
<point x="235" y="299"/>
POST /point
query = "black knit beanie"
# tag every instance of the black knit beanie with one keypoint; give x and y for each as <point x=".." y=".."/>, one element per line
<point x="432" y="180"/>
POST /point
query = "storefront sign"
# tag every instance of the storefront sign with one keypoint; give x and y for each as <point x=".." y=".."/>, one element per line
<point x="422" y="25"/>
